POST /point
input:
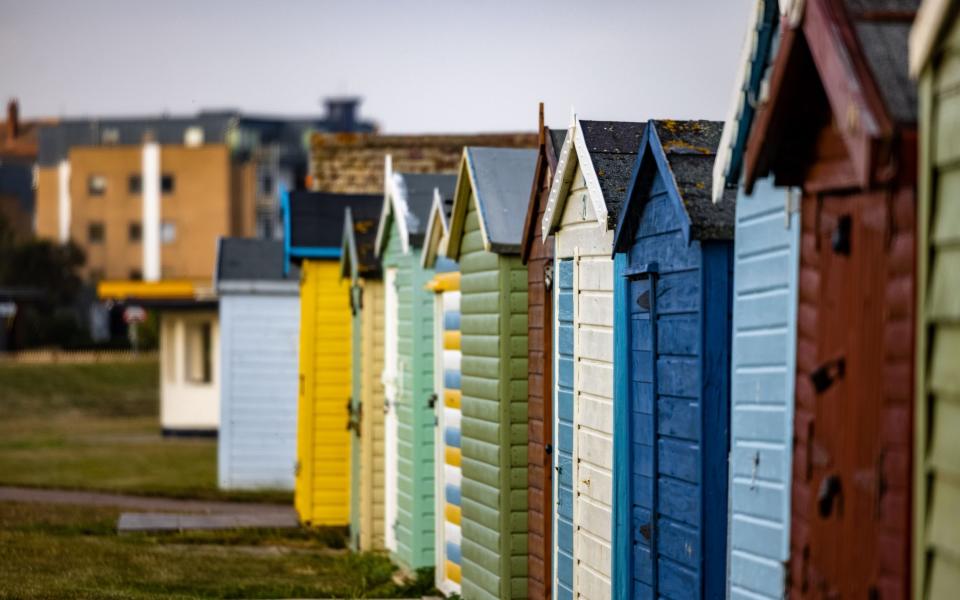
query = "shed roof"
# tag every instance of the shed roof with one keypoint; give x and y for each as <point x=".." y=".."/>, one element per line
<point x="248" y="259"/>
<point x="359" y="241"/>
<point x="500" y="179"/>
<point x="848" y="58"/>
<point x="548" y="155"/>
<point x="606" y="152"/>
<point x="438" y="227"/>
<point x="314" y="222"/>
<point x="758" y="43"/>
<point x="683" y="152"/>
<point x="409" y="198"/>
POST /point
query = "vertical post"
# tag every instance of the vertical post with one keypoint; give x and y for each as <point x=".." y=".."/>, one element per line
<point x="63" y="201"/>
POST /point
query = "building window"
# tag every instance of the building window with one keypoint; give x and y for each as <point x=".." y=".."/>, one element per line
<point x="135" y="184"/>
<point x="168" y="232"/>
<point x="110" y="135"/>
<point x="199" y="363"/>
<point x="135" y="232"/>
<point x="266" y="185"/>
<point x="96" y="185"/>
<point x="95" y="232"/>
<point x="136" y="275"/>
<point x="166" y="183"/>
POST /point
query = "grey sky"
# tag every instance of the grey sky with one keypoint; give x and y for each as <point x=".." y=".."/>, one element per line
<point x="421" y="65"/>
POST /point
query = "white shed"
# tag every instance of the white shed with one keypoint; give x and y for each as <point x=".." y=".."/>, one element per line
<point x="259" y="337"/>
<point x="593" y="172"/>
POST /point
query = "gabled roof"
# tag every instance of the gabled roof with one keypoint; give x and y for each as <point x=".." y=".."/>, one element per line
<point x="438" y="228"/>
<point x="933" y="20"/>
<point x="358" y="258"/>
<point x="747" y="93"/>
<point x="548" y="152"/>
<point x="854" y="54"/>
<point x="605" y="151"/>
<point x="682" y="152"/>
<point x="313" y="222"/>
<point x="500" y="179"/>
<point x="247" y="259"/>
<point x="409" y="196"/>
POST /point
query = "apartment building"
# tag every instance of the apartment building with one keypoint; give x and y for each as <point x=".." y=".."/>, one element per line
<point x="147" y="198"/>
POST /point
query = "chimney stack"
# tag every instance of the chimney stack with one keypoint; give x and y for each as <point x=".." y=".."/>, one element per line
<point x="13" y="119"/>
<point x="342" y="113"/>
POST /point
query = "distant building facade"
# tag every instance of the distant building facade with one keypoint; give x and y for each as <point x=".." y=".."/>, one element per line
<point x="18" y="159"/>
<point x="147" y="198"/>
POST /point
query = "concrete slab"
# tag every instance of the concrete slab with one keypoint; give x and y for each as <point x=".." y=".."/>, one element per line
<point x="130" y="522"/>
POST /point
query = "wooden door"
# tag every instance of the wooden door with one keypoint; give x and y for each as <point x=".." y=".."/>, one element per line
<point x="391" y="374"/>
<point x="849" y="469"/>
<point x="563" y="434"/>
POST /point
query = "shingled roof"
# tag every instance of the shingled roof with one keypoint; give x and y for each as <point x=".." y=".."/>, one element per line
<point x="247" y="259"/>
<point x="690" y="148"/>
<point x="315" y="222"/>
<point x="613" y="147"/>
<point x="882" y="28"/>
<point x="359" y="241"/>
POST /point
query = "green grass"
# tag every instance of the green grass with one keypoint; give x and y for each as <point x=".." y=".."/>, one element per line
<point x="73" y="552"/>
<point x="95" y="427"/>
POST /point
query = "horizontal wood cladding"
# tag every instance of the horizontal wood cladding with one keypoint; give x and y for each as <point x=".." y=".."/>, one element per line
<point x="764" y="343"/>
<point x="415" y="522"/>
<point x="856" y="302"/>
<point x="258" y="420"/>
<point x="323" y="440"/>
<point x="539" y="408"/>
<point x="937" y="532"/>
<point x="494" y="422"/>
<point x="372" y="418"/>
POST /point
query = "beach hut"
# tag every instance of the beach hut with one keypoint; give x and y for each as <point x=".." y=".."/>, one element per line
<point x="313" y="226"/>
<point x="839" y="123"/>
<point x="537" y="254"/>
<point x="446" y="395"/>
<point x="935" y="59"/>
<point x="674" y="260"/>
<point x="259" y="331"/>
<point x="592" y="176"/>
<point x="408" y="365"/>
<point x="766" y="267"/>
<point x="490" y="201"/>
<point x="359" y="264"/>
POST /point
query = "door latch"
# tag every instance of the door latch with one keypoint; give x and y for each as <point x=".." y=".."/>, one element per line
<point x="548" y="448"/>
<point x="432" y="401"/>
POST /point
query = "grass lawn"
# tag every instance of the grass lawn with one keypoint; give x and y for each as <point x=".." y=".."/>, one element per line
<point x="95" y="426"/>
<point x="72" y="552"/>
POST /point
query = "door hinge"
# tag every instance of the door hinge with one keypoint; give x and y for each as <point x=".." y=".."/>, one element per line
<point x="840" y="240"/>
<point x="826" y="374"/>
<point x="791" y="206"/>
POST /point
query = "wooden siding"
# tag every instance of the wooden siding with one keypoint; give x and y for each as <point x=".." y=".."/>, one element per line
<point x="563" y="434"/>
<point x="589" y="244"/>
<point x="414" y="525"/>
<point x="540" y="411"/>
<point x="370" y="392"/>
<point x="322" y="488"/>
<point x="448" y="457"/>
<point x="762" y="383"/>
<point x="855" y="305"/>
<point x="257" y="445"/>
<point x="494" y="427"/>
<point x="678" y="377"/>
<point x="937" y="525"/>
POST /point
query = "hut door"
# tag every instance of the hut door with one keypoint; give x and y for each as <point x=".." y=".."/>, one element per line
<point x="391" y="373"/>
<point x="563" y="433"/>
<point x="642" y="349"/>
<point x="843" y="480"/>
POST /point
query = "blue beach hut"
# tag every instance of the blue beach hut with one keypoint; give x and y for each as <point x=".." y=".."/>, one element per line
<point x="763" y="353"/>
<point x="673" y="261"/>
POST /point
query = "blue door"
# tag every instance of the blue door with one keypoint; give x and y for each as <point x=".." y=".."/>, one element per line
<point x="563" y="432"/>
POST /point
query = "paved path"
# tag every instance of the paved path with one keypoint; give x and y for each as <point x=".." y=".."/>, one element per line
<point x="161" y="514"/>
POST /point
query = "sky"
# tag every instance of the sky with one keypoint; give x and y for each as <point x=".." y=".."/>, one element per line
<point x="420" y="65"/>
